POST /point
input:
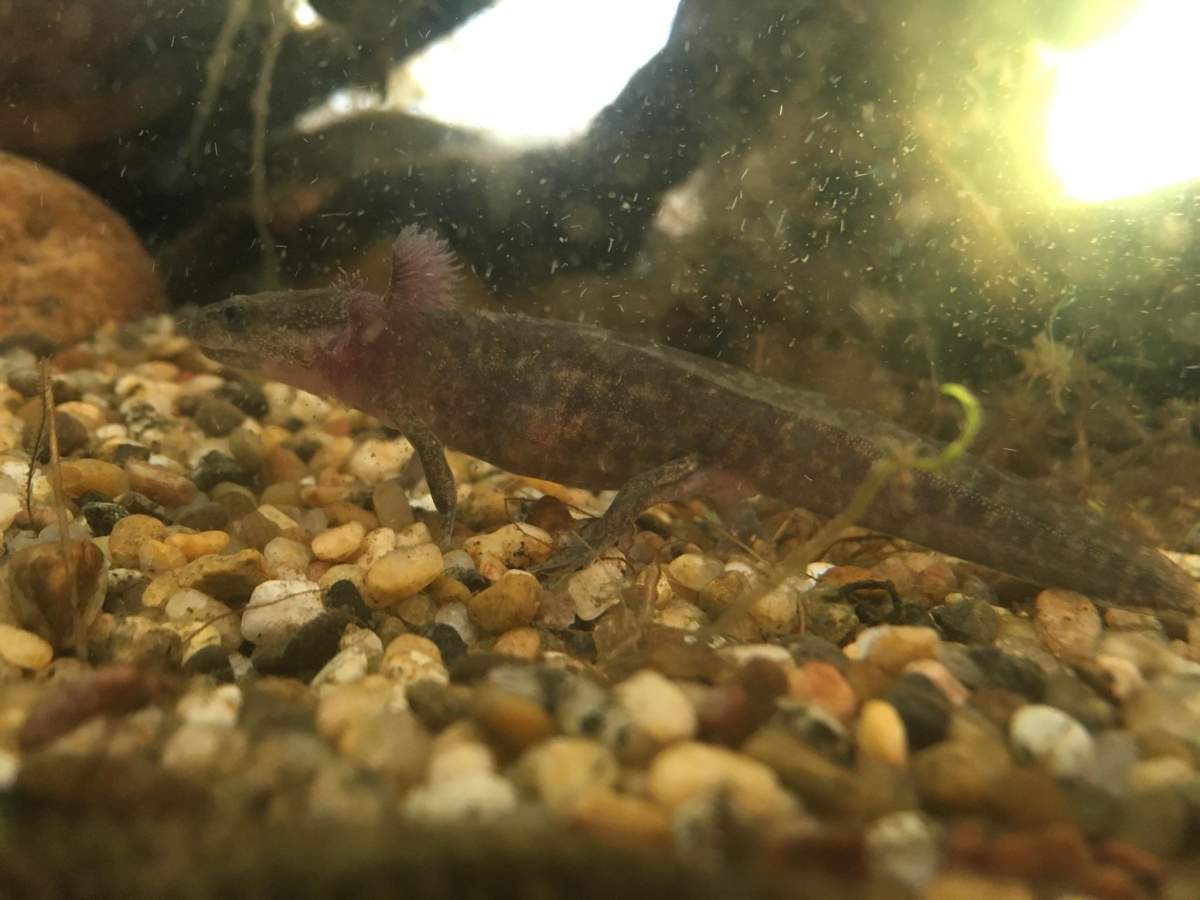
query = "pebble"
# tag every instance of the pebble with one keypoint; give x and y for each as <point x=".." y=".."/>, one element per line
<point x="1067" y="624"/>
<point x="596" y="588"/>
<point x="286" y="557"/>
<point x="952" y="689"/>
<point x="561" y="770"/>
<point x="1053" y="739"/>
<point x="881" y="734"/>
<point x="458" y="617"/>
<point x="195" y="544"/>
<point x="229" y="578"/>
<point x="688" y="770"/>
<point x="376" y="460"/>
<point x="959" y="776"/>
<point x="516" y="546"/>
<point x="339" y="543"/>
<point x="100" y="517"/>
<point x="892" y="647"/>
<point x="968" y="621"/>
<point x="216" y="468"/>
<point x="512" y="722"/>
<point x="824" y="686"/>
<point x="193" y="606"/>
<point x="694" y="571"/>
<point x="524" y="643"/>
<point x="277" y="608"/>
<point x="217" y="417"/>
<point x="24" y="649"/>
<point x="128" y="535"/>
<point x="409" y="658"/>
<point x="82" y="475"/>
<point x="160" y="484"/>
<point x="906" y="847"/>
<point x="348" y="665"/>
<point x="401" y="573"/>
<point x="777" y="611"/>
<point x="390" y="502"/>
<point x="509" y="603"/>
<point x="416" y="611"/>
<point x="156" y="557"/>
<point x="392" y="744"/>
<point x="217" y="706"/>
<point x="302" y="650"/>
<point x="922" y="706"/>
<point x="268" y="522"/>
<point x="472" y="798"/>
<point x="657" y="706"/>
<point x="1168" y="705"/>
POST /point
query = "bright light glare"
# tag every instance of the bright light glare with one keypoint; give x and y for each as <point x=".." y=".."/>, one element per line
<point x="304" y="16"/>
<point x="535" y="71"/>
<point x="1123" y="120"/>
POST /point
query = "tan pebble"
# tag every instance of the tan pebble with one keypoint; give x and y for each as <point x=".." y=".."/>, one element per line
<point x="200" y="543"/>
<point x="281" y="464"/>
<point x="160" y="484"/>
<point x="680" y="615"/>
<point x="620" y="818"/>
<point x="80" y="475"/>
<point x="561" y="770"/>
<point x="351" y="572"/>
<point x="881" y="734"/>
<point x="958" y="885"/>
<point x="156" y="557"/>
<point x="689" y="769"/>
<point x="339" y="543"/>
<point x="823" y="685"/>
<point x="402" y="573"/>
<point x="128" y="535"/>
<point x="517" y="546"/>
<point x="657" y="706"/>
<point x="267" y="523"/>
<point x="409" y="643"/>
<point x="341" y="512"/>
<point x="24" y="649"/>
<point x="285" y="555"/>
<point x="375" y="546"/>
<point x="376" y="460"/>
<point x="411" y="535"/>
<point x="342" y="705"/>
<point x="322" y="495"/>
<point x="89" y="414"/>
<point x="511" y="721"/>
<point x="1067" y="624"/>
<point x="899" y="645"/>
<point x="510" y="602"/>
<point x="416" y="611"/>
<point x="522" y="642"/>
<point x="694" y="571"/>
<point x="490" y="567"/>
<point x="1159" y="772"/>
<point x="596" y="588"/>
<point x="449" y="590"/>
<point x="230" y="578"/>
<point x="282" y="493"/>
<point x="334" y="454"/>
<point x="778" y="610"/>
<point x="1124" y="677"/>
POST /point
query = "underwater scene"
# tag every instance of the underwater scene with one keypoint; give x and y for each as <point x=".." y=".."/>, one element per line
<point x="600" y="448"/>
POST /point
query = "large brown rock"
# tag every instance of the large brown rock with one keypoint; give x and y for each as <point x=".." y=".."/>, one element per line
<point x="68" y="263"/>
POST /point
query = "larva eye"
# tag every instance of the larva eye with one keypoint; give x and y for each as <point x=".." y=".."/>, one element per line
<point x="234" y="316"/>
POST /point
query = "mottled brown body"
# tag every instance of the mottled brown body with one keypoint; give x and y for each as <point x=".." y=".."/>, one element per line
<point x="579" y="405"/>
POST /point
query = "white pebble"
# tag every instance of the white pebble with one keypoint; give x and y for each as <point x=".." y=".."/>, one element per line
<point x="596" y="588"/>
<point x="279" y="607"/>
<point x="1052" y="738"/>
<point x="377" y="460"/>
<point x="658" y="706"/>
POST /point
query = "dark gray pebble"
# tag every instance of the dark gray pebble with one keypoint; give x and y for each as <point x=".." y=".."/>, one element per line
<point x="970" y="621"/>
<point x="102" y="516"/>
<point x="215" y="467"/>
<point x="923" y="707"/>
<point x="217" y="417"/>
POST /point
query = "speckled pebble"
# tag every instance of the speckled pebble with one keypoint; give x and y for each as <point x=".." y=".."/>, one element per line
<point x="376" y="460"/>
<point x="1053" y="739"/>
<point x="156" y="557"/>
<point x="1067" y="623"/>
<point x="563" y="769"/>
<point x="516" y="546"/>
<point x="128" y="535"/>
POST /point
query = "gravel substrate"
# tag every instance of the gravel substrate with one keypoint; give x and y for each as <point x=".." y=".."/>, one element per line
<point x="278" y="636"/>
